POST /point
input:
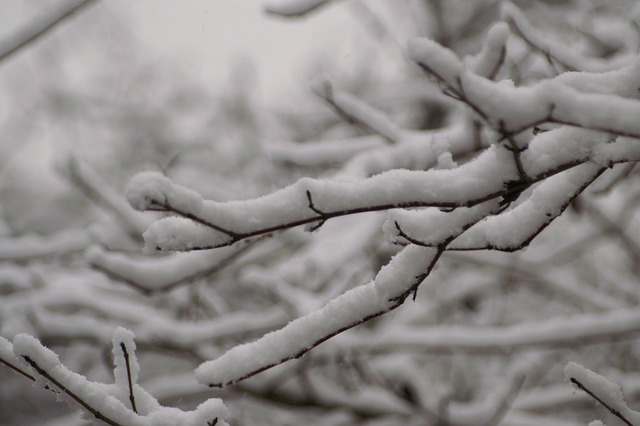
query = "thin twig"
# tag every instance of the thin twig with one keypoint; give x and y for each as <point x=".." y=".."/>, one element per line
<point x="612" y="410"/>
<point x="126" y="361"/>
<point x="98" y="415"/>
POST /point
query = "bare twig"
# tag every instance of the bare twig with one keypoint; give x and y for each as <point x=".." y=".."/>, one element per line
<point x="612" y="410"/>
<point x="132" y="398"/>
